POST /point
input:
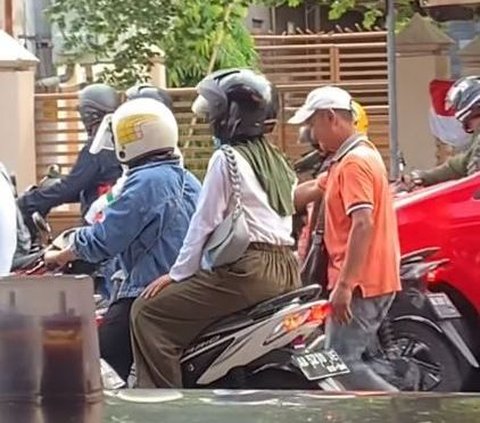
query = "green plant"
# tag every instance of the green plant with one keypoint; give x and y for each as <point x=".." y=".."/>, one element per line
<point x="128" y="33"/>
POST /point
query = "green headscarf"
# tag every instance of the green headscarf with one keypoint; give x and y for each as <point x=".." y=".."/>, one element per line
<point x="273" y="172"/>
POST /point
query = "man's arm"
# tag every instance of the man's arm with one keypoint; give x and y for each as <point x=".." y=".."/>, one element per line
<point x="67" y="190"/>
<point x="453" y="168"/>
<point x="308" y="192"/>
<point x="357" y="188"/>
<point x="358" y="245"/>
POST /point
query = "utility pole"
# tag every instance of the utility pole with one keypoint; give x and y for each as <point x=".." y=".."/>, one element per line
<point x="392" y="90"/>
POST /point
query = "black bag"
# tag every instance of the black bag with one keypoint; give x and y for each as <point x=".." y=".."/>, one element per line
<point x="315" y="266"/>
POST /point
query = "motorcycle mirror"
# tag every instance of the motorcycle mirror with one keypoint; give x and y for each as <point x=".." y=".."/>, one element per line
<point x="54" y="171"/>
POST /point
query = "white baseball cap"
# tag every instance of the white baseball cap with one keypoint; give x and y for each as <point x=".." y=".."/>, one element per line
<point x="322" y="98"/>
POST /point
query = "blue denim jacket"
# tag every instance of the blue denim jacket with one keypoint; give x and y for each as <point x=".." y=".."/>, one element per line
<point x="145" y="226"/>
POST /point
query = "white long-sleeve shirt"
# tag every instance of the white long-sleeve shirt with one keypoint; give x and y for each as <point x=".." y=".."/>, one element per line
<point x="264" y="223"/>
<point x="8" y="223"/>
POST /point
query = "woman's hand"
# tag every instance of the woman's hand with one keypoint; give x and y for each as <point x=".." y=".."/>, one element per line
<point x="156" y="286"/>
<point x="59" y="258"/>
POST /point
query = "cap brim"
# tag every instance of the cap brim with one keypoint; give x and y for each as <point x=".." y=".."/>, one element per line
<point x="301" y="115"/>
<point x="103" y="139"/>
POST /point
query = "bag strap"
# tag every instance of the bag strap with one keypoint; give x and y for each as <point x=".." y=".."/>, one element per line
<point x="234" y="176"/>
<point x="319" y="208"/>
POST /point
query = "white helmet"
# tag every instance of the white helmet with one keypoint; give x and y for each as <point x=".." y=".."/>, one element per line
<point x="141" y="127"/>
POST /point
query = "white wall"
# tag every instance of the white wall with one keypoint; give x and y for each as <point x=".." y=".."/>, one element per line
<point x="17" y="141"/>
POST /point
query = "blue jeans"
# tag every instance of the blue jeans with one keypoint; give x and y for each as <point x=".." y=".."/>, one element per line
<point x="351" y="341"/>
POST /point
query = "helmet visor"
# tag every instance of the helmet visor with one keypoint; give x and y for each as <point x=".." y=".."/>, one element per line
<point x="103" y="139"/>
<point x="200" y="106"/>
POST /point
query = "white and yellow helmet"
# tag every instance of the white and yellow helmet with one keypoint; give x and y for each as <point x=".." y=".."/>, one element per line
<point x="361" y="118"/>
<point x="141" y="127"/>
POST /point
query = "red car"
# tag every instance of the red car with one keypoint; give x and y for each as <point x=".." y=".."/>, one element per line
<point x="447" y="216"/>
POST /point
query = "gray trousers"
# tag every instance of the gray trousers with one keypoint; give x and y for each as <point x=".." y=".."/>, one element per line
<point x="352" y="340"/>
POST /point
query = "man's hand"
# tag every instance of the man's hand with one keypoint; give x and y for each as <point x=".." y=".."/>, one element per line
<point x="341" y="299"/>
<point x="412" y="180"/>
<point x="156" y="286"/>
<point x="307" y="193"/>
<point x="59" y="258"/>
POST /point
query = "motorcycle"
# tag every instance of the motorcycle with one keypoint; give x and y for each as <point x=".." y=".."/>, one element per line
<point x="423" y="335"/>
<point x="421" y="344"/>
<point x="34" y="265"/>
<point x="264" y="347"/>
<point x="35" y="235"/>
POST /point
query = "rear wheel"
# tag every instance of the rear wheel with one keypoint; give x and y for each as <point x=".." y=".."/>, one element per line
<point x="432" y="355"/>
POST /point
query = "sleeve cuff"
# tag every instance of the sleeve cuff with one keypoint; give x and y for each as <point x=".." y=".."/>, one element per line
<point x="359" y="206"/>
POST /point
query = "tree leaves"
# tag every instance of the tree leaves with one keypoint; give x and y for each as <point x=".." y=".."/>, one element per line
<point x="129" y="33"/>
<point x="373" y="9"/>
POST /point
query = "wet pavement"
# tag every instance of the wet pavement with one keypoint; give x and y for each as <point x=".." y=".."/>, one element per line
<point x="253" y="406"/>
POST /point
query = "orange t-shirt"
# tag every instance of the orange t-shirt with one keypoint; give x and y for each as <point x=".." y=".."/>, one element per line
<point x="356" y="180"/>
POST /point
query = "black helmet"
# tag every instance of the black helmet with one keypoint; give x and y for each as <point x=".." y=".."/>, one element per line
<point x="95" y="101"/>
<point x="236" y="102"/>
<point x="150" y="91"/>
<point x="464" y="98"/>
<point x="272" y="110"/>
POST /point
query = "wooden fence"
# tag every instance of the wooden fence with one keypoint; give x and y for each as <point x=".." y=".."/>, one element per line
<point x="296" y="63"/>
<point x="327" y="58"/>
<point x="60" y="135"/>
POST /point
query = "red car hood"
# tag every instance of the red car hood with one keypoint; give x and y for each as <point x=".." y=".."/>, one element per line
<point x="440" y="215"/>
<point x="425" y="195"/>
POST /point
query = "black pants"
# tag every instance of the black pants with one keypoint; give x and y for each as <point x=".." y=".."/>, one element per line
<point x="114" y="334"/>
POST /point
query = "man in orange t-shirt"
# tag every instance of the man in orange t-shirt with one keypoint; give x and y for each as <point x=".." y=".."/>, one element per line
<point x="360" y="232"/>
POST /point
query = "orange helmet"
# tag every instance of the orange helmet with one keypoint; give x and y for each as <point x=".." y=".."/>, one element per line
<point x="361" y="118"/>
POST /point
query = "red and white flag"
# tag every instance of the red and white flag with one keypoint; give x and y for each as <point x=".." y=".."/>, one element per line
<point x="443" y="124"/>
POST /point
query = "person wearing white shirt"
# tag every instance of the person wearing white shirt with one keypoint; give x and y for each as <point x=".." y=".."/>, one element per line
<point x="176" y="307"/>
<point x="8" y="223"/>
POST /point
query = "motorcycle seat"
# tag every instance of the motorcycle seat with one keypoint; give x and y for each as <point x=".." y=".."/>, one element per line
<point x="24" y="262"/>
<point x="264" y="309"/>
<point x="418" y="256"/>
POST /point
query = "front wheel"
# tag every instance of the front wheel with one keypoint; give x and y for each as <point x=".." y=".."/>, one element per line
<point x="431" y="353"/>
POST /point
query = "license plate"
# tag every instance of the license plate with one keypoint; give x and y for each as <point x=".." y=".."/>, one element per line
<point x="320" y="365"/>
<point x="442" y="306"/>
